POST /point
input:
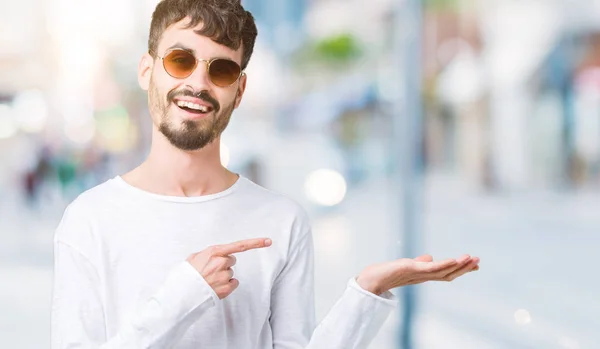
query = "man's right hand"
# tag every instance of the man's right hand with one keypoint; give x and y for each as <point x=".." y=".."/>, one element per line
<point x="215" y="262"/>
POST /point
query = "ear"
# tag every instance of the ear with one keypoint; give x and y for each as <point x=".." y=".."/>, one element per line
<point x="145" y="71"/>
<point x="241" y="89"/>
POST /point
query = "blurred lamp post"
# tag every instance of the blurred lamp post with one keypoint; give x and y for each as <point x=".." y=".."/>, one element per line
<point x="408" y="139"/>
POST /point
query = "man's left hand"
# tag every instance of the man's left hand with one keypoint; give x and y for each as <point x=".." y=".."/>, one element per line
<point x="379" y="278"/>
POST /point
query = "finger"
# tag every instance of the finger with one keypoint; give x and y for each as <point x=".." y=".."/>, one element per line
<point x="440" y="272"/>
<point x="241" y="246"/>
<point x="229" y="273"/>
<point x="460" y="263"/>
<point x="448" y="262"/>
<point x="231" y="260"/>
<point x="462" y="270"/>
<point x="226" y="289"/>
<point x="435" y="267"/>
<point x="234" y="283"/>
<point x="477" y="261"/>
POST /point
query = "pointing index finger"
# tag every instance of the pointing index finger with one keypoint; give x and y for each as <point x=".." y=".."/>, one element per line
<point x="241" y="246"/>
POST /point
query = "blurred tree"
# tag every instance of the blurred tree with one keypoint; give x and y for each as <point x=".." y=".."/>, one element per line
<point x="340" y="48"/>
<point x="335" y="51"/>
<point x="441" y="4"/>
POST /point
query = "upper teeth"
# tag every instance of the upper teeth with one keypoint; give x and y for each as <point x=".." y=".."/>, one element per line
<point x="191" y="105"/>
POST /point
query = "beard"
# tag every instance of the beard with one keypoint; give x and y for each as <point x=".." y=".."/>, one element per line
<point x="191" y="134"/>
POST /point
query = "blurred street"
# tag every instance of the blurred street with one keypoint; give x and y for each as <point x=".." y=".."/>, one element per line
<point x="488" y="112"/>
<point x="536" y="287"/>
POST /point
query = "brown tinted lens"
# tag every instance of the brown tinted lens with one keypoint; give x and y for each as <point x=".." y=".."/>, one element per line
<point x="223" y="72"/>
<point x="179" y="64"/>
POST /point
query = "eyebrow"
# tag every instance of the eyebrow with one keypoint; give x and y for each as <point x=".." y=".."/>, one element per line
<point x="192" y="51"/>
<point x="181" y="46"/>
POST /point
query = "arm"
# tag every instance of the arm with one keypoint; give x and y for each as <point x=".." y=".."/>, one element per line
<point x="352" y="322"/>
<point x="358" y="315"/>
<point x="292" y="296"/>
<point x="78" y="318"/>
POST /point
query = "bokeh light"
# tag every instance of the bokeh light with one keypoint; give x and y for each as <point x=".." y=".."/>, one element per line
<point x="325" y="187"/>
<point x="522" y="317"/>
<point x="8" y="126"/>
<point x="115" y="131"/>
<point x="225" y="154"/>
<point x="80" y="133"/>
<point x="31" y="111"/>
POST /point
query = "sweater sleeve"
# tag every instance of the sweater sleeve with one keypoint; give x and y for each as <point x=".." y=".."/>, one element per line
<point x="354" y="320"/>
<point x="78" y="318"/>
<point x="292" y="295"/>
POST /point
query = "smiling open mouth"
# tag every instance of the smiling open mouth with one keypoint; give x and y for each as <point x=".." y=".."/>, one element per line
<point x="194" y="108"/>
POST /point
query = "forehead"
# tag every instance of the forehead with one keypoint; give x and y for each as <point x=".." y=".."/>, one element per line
<point x="177" y="35"/>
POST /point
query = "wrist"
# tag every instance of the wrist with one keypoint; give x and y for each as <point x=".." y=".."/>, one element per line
<point x="369" y="285"/>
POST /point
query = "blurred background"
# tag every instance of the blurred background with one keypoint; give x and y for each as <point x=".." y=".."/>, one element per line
<point x="403" y="127"/>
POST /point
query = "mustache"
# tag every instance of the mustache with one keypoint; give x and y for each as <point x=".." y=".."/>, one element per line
<point x="203" y="95"/>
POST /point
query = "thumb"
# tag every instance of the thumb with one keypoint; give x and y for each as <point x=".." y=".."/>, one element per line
<point x="424" y="258"/>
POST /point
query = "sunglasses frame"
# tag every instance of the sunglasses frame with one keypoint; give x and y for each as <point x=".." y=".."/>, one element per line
<point x="208" y="63"/>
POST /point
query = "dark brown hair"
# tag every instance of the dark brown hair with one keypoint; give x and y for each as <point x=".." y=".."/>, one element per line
<point x="226" y="22"/>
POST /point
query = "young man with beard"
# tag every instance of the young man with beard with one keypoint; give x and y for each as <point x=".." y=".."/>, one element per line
<point x="146" y="259"/>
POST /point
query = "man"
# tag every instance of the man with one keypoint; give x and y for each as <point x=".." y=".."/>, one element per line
<point x="146" y="260"/>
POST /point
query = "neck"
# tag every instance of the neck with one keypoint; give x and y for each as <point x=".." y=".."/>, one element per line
<point x="172" y="171"/>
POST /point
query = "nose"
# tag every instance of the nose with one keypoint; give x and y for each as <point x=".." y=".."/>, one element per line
<point x="200" y="80"/>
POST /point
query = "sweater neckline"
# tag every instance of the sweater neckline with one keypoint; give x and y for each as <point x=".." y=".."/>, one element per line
<point x="118" y="180"/>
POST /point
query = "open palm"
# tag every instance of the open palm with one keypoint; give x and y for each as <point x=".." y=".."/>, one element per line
<point x="378" y="278"/>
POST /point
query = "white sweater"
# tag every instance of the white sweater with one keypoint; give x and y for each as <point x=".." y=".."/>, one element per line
<point x="121" y="280"/>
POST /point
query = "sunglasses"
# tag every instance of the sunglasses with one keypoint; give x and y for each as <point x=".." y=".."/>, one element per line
<point x="180" y="64"/>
